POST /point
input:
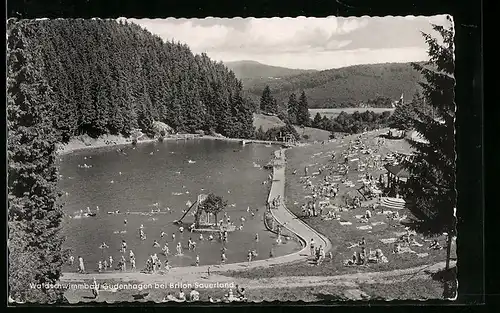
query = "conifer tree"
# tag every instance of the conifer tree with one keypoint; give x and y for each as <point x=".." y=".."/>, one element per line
<point x="292" y="108"/>
<point x="404" y="113"/>
<point x="303" y="116"/>
<point x="34" y="213"/>
<point x="266" y="101"/>
<point x="274" y="107"/>
<point x="432" y="183"/>
<point x="317" y="121"/>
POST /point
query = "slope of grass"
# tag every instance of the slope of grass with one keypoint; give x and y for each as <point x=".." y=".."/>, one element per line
<point x="309" y="134"/>
<point x="316" y="156"/>
<point x="415" y="289"/>
<point x="266" y="122"/>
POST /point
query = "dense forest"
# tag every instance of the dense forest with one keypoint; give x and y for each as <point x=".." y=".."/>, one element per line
<point x="345" y="87"/>
<point x="112" y="77"/>
<point x="72" y="77"/>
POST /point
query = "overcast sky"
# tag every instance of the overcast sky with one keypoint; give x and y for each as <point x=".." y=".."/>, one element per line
<point x="306" y="43"/>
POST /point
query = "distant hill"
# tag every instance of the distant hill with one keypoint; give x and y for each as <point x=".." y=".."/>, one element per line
<point x="343" y="87"/>
<point x="248" y="71"/>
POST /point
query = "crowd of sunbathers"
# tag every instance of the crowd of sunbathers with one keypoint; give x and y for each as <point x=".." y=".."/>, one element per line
<point x="363" y="257"/>
<point x="194" y="296"/>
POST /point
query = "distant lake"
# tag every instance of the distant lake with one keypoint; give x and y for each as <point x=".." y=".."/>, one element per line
<point x="332" y="113"/>
<point x="161" y="173"/>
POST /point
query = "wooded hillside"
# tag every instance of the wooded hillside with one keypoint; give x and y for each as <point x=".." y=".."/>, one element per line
<point x="111" y="77"/>
<point x="250" y="70"/>
<point x="343" y="87"/>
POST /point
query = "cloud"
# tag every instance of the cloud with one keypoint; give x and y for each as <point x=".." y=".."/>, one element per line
<point x="258" y="35"/>
<point x="301" y="42"/>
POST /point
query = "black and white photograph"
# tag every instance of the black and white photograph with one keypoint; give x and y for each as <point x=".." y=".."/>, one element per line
<point x="231" y="160"/>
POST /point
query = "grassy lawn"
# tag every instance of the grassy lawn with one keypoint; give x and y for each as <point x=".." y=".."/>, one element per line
<point x="316" y="156"/>
<point x="312" y="134"/>
<point x="416" y="289"/>
<point x="316" y="293"/>
<point x="266" y="122"/>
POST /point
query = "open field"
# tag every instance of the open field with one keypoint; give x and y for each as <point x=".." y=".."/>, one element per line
<point x="266" y="121"/>
<point x="332" y="113"/>
<point x="312" y="134"/>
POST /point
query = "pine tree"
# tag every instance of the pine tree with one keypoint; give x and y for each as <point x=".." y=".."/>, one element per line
<point x="292" y="108"/>
<point x="432" y="183"/>
<point x="317" y="121"/>
<point x="34" y="214"/>
<point x="144" y="116"/>
<point x="100" y="70"/>
<point x="274" y="107"/>
<point x="404" y="114"/>
<point x="243" y="117"/>
<point x="303" y="116"/>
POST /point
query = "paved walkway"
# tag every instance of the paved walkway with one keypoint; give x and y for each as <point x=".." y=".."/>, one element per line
<point x="282" y="215"/>
<point x="286" y="218"/>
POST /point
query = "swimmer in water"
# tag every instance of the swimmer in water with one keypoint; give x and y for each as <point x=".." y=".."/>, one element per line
<point x="201" y="237"/>
<point x="256" y="237"/>
<point x="173" y="236"/>
<point x="181" y="229"/>
<point x="162" y="234"/>
<point x="125" y="222"/>
<point x="210" y="237"/>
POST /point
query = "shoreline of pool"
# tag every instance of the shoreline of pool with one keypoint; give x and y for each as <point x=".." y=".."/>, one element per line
<point x="78" y="145"/>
